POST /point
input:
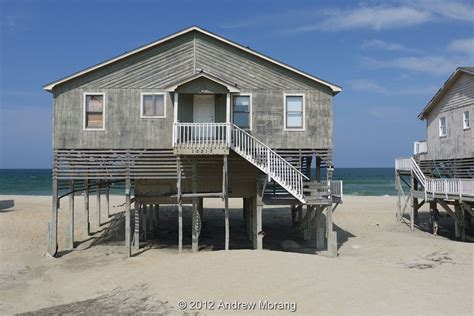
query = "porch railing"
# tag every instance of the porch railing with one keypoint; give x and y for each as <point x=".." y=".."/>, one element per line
<point x="200" y="135"/>
<point x="420" y="147"/>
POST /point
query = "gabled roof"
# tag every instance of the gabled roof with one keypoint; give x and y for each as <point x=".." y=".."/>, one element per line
<point x="202" y="74"/>
<point x="50" y="86"/>
<point x="454" y="76"/>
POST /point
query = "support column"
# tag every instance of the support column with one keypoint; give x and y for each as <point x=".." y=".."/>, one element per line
<point x="257" y="210"/>
<point x="107" y="199"/>
<point x="331" y="235"/>
<point x="136" y="233"/>
<point x="399" y="196"/>
<point x="144" y="221"/>
<point x="53" y="225"/>
<point x="467" y="216"/>
<point x="307" y="223"/>
<point x="318" y="168"/>
<point x="460" y="230"/>
<point x="299" y="212"/>
<point x="225" y="193"/>
<point x="87" y="225"/>
<point x="128" y="223"/>
<point x="195" y="235"/>
<point x="293" y="215"/>
<point x="412" y="205"/>
<point x="180" y="206"/>
<point x="99" y="221"/>
<point x="320" y="224"/>
<point x="415" y="200"/>
<point x="69" y="236"/>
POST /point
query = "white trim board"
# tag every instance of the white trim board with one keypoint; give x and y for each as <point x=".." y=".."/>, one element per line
<point x="335" y="89"/>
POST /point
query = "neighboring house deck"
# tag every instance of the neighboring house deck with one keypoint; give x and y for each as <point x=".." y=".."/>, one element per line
<point x="193" y="116"/>
<point x="441" y="170"/>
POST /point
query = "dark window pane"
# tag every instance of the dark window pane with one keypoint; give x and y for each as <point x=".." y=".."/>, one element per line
<point x="241" y="120"/>
<point x="242" y="103"/>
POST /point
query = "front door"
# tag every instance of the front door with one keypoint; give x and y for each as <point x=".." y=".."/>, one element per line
<point x="203" y="112"/>
<point x="203" y="108"/>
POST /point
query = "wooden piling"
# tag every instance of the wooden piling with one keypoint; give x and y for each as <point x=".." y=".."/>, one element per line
<point x="136" y="235"/>
<point x="257" y="210"/>
<point x="69" y="236"/>
<point x="99" y="220"/>
<point x="107" y="199"/>
<point x="87" y="225"/>
<point x="180" y="206"/>
<point x="128" y="246"/>
<point x="320" y="223"/>
<point x="194" y="239"/>
<point x="225" y="187"/>
<point x="53" y="225"/>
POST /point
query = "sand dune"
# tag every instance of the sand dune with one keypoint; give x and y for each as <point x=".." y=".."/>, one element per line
<point x="382" y="268"/>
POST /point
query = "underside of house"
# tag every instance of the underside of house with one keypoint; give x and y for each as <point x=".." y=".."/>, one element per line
<point x="230" y="134"/>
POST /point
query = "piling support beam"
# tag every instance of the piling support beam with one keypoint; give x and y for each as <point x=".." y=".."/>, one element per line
<point x="194" y="239"/>
<point x="87" y="225"/>
<point x="69" y="236"/>
<point x="99" y="220"/>
<point x="225" y="194"/>
<point x="107" y="199"/>
<point x="257" y="221"/>
<point x="180" y="206"/>
<point x="53" y="225"/>
<point x="128" y="223"/>
<point x="136" y="235"/>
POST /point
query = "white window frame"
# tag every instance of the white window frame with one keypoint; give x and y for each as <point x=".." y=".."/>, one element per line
<point x="154" y="116"/>
<point x="446" y="127"/>
<point x="464" y="125"/>
<point x="303" y="128"/>
<point x="233" y="95"/>
<point x="84" y="110"/>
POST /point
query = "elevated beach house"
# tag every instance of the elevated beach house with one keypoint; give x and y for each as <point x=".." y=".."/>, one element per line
<point x="441" y="170"/>
<point x="192" y="116"/>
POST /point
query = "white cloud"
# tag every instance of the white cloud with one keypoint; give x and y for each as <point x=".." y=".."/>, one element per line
<point x="365" y="85"/>
<point x="376" y="18"/>
<point x="383" y="45"/>
<point x="464" y="45"/>
<point x="435" y="65"/>
<point x="455" y="10"/>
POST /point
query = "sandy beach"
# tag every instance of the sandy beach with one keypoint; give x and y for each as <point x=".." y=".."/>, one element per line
<point x="382" y="268"/>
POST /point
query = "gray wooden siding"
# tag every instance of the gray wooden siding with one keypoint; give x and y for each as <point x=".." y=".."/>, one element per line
<point x="245" y="70"/>
<point x="154" y="69"/>
<point x="459" y="143"/>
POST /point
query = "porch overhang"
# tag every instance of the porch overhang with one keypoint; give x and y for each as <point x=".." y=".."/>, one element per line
<point x="232" y="88"/>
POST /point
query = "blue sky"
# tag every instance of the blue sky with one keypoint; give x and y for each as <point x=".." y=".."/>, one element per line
<point x="390" y="58"/>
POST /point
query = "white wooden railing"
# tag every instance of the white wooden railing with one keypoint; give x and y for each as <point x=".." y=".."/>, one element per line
<point x="434" y="186"/>
<point x="420" y="147"/>
<point x="267" y="160"/>
<point x="336" y="187"/>
<point x="201" y="135"/>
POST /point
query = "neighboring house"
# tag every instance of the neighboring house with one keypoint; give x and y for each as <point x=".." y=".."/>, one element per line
<point x="442" y="169"/>
<point x="190" y="116"/>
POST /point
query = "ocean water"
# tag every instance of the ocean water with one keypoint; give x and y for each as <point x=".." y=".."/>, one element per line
<point x="357" y="181"/>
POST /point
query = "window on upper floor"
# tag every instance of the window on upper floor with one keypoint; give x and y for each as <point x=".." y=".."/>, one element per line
<point x="443" y="128"/>
<point x="153" y="105"/>
<point x="94" y="111"/>
<point x="294" y="112"/>
<point x="465" y="120"/>
<point x="242" y="111"/>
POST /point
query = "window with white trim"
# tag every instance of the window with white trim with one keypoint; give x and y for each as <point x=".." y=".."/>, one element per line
<point x="94" y="111"/>
<point x="294" y="112"/>
<point x="443" y="128"/>
<point x="241" y="111"/>
<point x="153" y="105"/>
<point x="465" y="120"/>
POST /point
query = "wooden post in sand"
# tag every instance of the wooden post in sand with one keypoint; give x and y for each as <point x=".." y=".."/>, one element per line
<point x="225" y="193"/>
<point x="320" y="224"/>
<point x="180" y="206"/>
<point x="53" y="225"/>
<point x="194" y="237"/>
<point x="87" y="225"/>
<point x="107" y="199"/>
<point x="136" y="233"/>
<point x="459" y="222"/>
<point x="128" y="236"/>
<point x="97" y="192"/>
<point x="257" y="218"/>
<point x="69" y="236"/>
